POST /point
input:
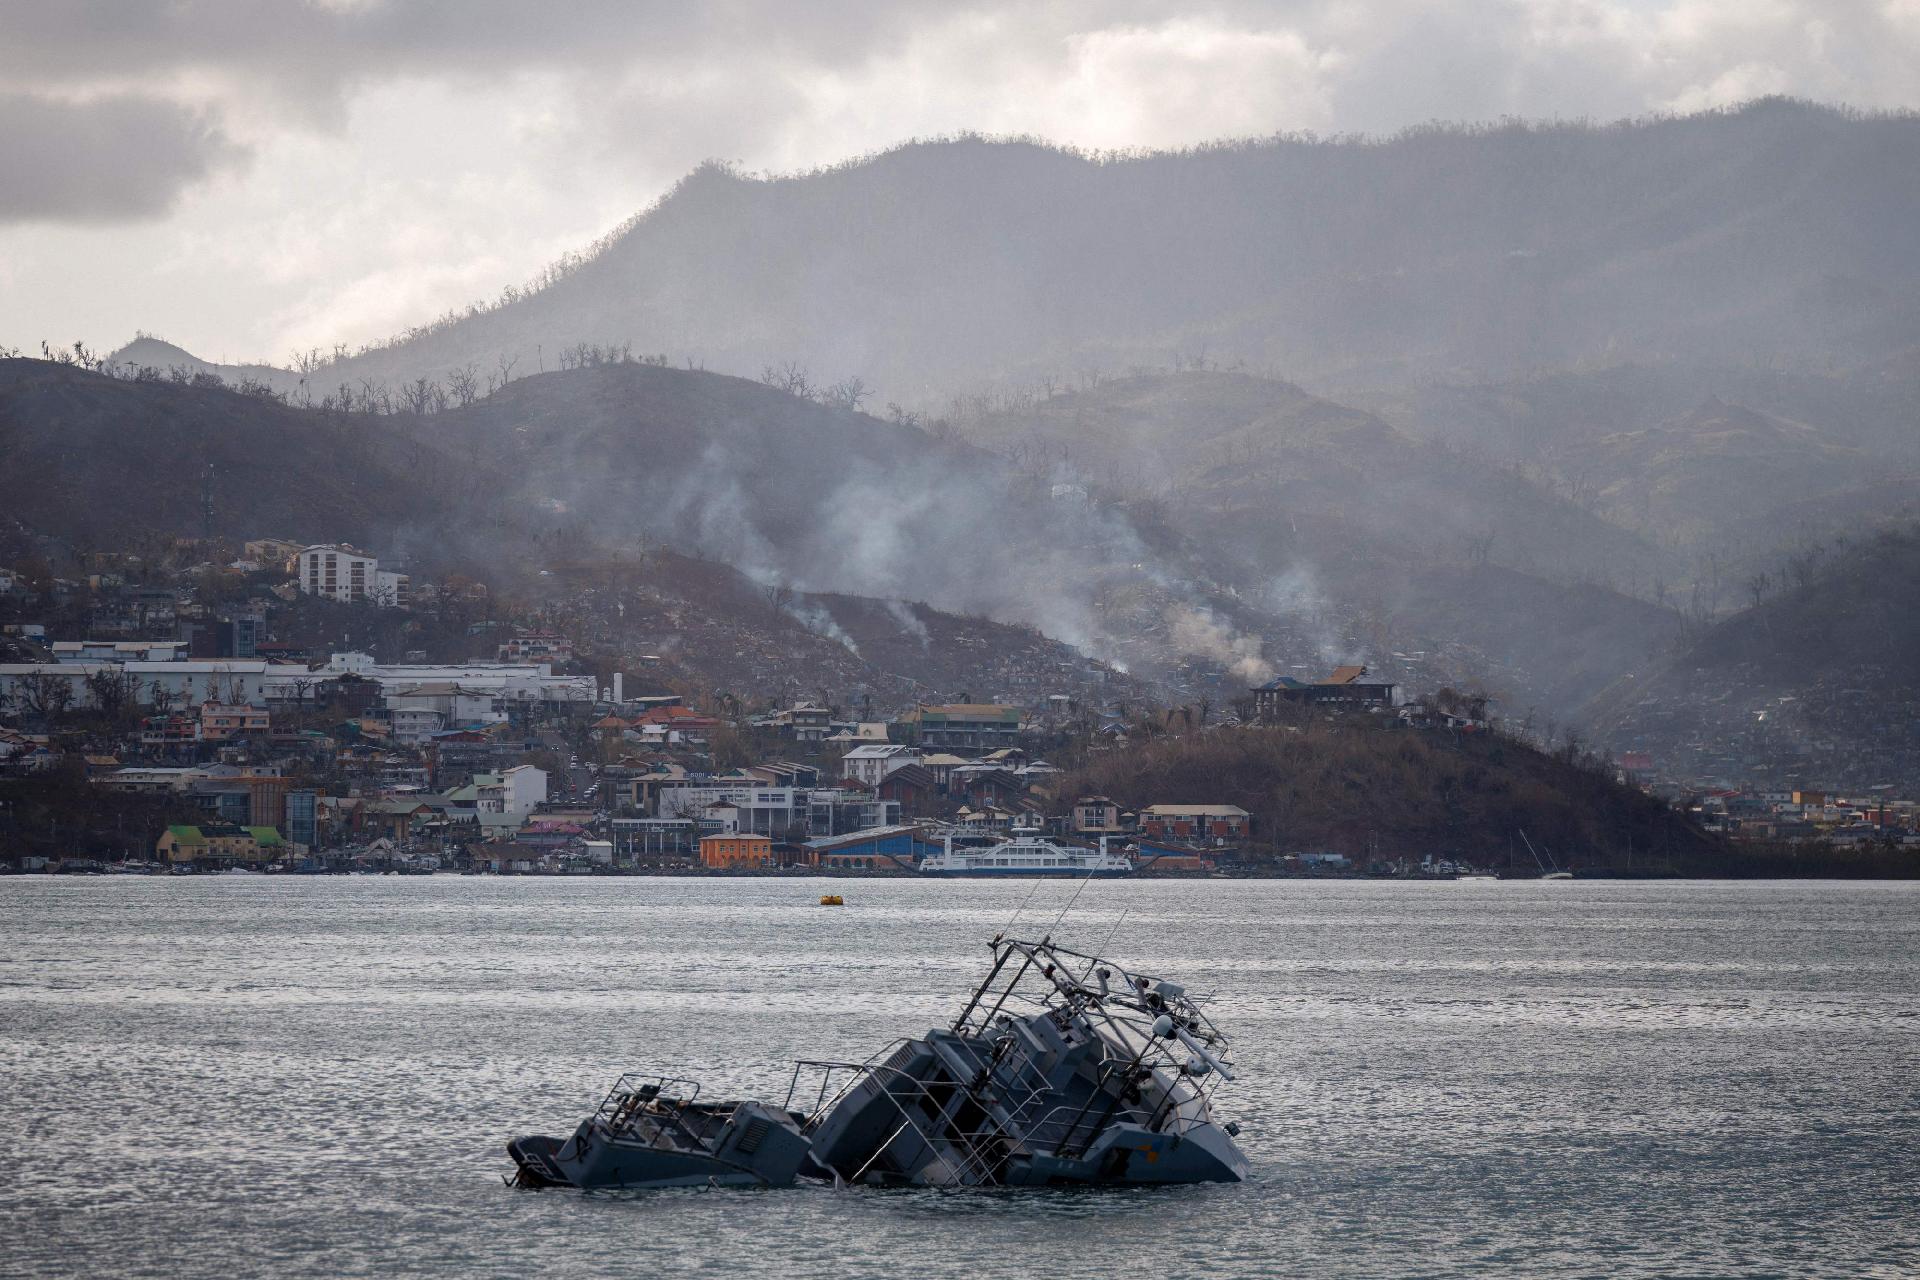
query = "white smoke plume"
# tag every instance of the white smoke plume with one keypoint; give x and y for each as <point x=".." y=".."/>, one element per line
<point x="1201" y="632"/>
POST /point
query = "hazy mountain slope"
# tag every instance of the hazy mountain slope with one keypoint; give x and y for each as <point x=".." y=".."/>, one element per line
<point x="1343" y="543"/>
<point x="1818" y="684"/>
<point x="1263" y="469"/>
<point x="1778" y="231"/>
<point x="1695" y="478"/>
<point x="94" y="462"/>
<point x="1312" y="511"/>
<point x="1873" y="408"/>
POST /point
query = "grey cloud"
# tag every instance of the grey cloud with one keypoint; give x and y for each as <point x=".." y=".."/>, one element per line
<point x="112" y="160"/>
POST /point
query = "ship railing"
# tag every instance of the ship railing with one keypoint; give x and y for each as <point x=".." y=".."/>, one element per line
<point x="1052" y="968"/>
<point x="636" y="1092"/>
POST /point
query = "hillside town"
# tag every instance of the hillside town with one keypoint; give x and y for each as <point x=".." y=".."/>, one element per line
<point x="195" y="715"/>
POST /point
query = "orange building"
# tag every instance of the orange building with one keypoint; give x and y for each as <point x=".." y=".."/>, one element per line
<point x="734" y="852"/>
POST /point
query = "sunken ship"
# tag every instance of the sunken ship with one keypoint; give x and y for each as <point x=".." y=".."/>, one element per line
<point x="1062" y="1069"/>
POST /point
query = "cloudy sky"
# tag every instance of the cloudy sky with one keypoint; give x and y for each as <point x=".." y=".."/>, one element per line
<point x="248" y="177"/>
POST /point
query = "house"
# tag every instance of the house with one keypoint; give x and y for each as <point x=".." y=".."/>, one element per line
<point x="1347" y="689"/>
<point x="395" y="817"/>
<point x="217" y="842"/>
<point x="986" y="820"/>
<point x="736" y="852"/>
<point x="1095" y="816"/>
<point x="869" y="762"/>
<point x="806" y="722"/>
<point x="1196" y="821"/>
<point x="988" y="786"/>
<point x="911" y="788"/>
<point x="862" y="731"/>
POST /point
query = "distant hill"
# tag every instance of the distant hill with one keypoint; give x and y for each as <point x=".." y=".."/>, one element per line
<point x="1818" y="684"/>
<point x="1390" y="793"/>
<point x="1779" y="232"/>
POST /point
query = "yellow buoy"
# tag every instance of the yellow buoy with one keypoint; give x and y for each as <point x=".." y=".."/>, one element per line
<point x="832" y="900"/>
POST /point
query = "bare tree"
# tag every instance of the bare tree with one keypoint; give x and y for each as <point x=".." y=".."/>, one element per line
<point x="113" y="690"/>
<point x="790" y="378"/>
<point x="846" y="394"/>
<point x="463" y="383"/>
<point x="44" y="696"/>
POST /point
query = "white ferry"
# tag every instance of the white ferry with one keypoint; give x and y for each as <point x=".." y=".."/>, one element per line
<point x="1026" y="854"/>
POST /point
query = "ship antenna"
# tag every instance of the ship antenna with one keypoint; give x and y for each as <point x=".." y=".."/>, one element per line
<point x="1016" y="912"/>
<point x="1103" y="943"/>
<point x="1070" y="901"/>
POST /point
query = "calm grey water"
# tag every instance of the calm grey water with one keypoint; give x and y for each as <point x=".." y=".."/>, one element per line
<point x="230" y="1076"/>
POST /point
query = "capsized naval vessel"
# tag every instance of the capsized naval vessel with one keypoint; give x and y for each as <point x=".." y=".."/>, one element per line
<point x="1062" y="1069"/>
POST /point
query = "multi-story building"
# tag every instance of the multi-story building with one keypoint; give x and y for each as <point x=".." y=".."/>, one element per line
<point x="536" y="646"/>
<point x="736" y="806"/>
<point x="1196" y="821"/>
<point x="302" y="826"/>
<point x="1346" y="689"/>
<point x="510" y="792"/>
<point x="869" y="762"/>
<point x="834" y="812"/>
<point x="736" y="852"/>
<point x="966" y="726"/>
<point x="1096" y="816"/>
<point x="336" y="571"/>
<point x="220" y="721"/>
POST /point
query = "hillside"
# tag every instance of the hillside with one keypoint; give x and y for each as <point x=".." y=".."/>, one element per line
<point x="1776" y="232"/>
<point x="1389" y="793"/>
<point x="1729" y="462"/>
<point x="1818" y="684"/>
<point x="1201" y="530"/>
<point x="96" y="461"/>
<point x="1335" y="533"/>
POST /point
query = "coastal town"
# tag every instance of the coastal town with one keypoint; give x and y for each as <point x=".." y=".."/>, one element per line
<point x="189" y="711"/>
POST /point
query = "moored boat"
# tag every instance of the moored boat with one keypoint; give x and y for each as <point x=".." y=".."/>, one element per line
<point x="1026" y="854"/>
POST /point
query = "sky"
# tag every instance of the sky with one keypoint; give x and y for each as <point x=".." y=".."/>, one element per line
<point x="250" y="178"/>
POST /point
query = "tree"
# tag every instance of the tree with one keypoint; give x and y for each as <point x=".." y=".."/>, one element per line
<point x="846" y="394"/>
<point x="44" y="696"/>
<point x="114" y="691"/>
<point x="463" y="383"/>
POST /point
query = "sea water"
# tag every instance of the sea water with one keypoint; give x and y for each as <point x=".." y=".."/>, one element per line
<point x="291" y="1076"/>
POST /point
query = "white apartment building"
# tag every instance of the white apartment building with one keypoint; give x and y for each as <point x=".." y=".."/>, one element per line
<point x="511" y="792"/>
<point x="339" y="572"/>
